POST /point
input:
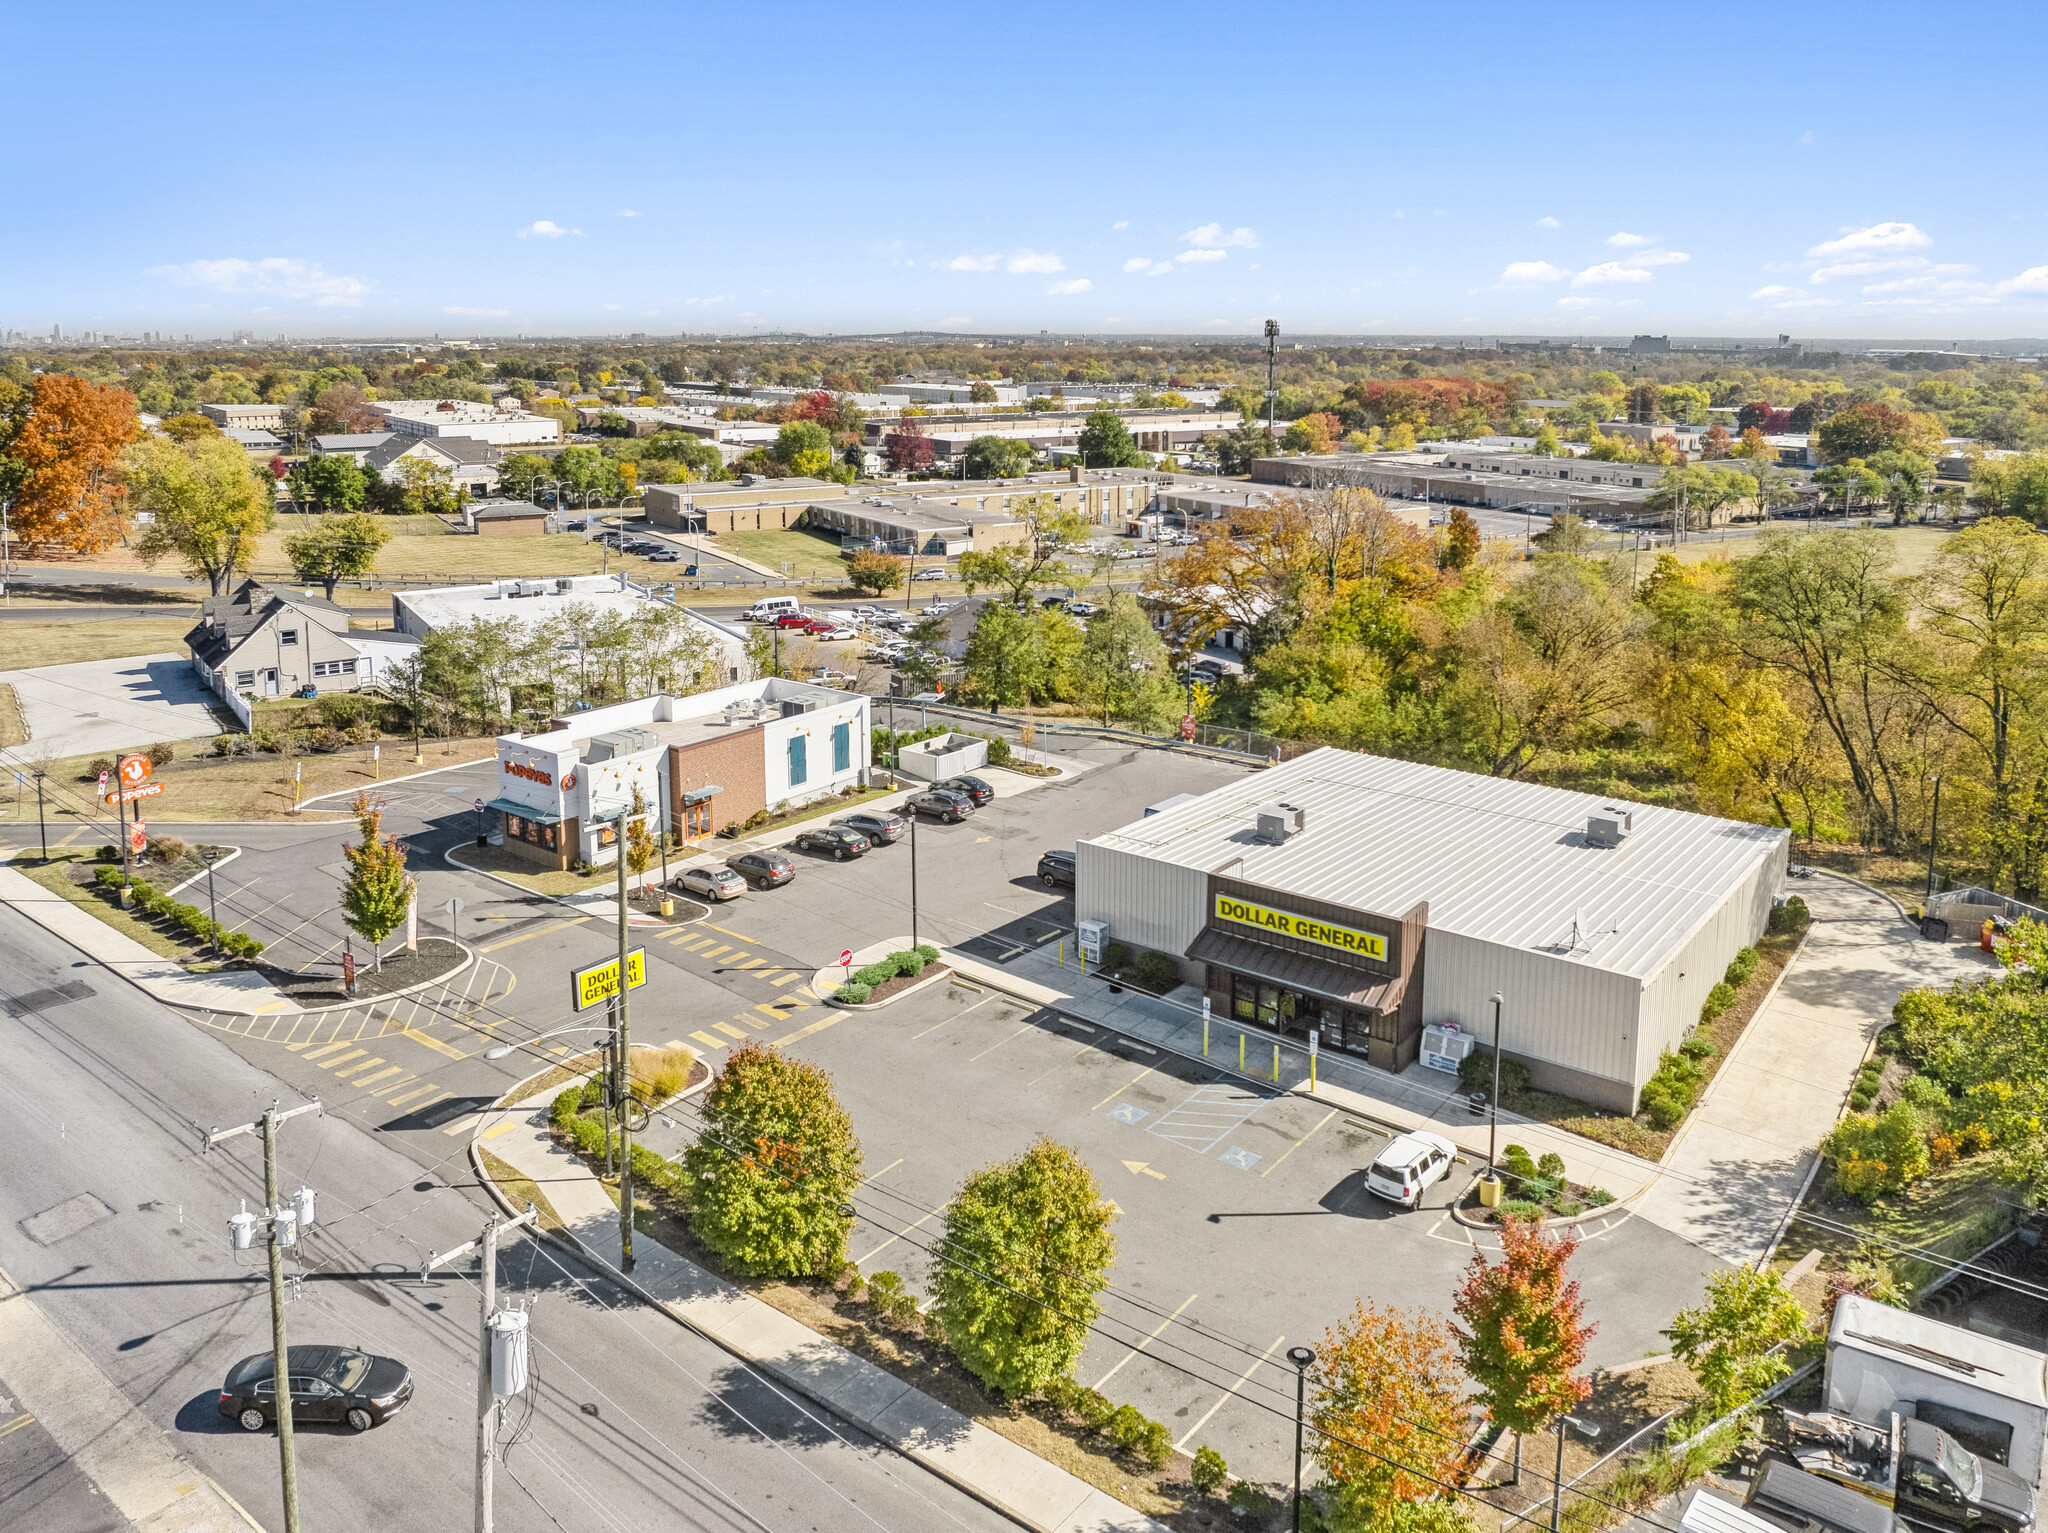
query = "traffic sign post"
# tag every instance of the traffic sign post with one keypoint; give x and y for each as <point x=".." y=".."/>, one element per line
<point x="348" y="969"/>
<point x="846" y="963"/>
<point x="600" y="982"/>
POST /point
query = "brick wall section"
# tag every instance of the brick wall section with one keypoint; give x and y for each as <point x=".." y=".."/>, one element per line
<point x="732" y="761"/>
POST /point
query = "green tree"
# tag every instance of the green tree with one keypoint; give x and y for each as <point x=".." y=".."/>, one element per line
<point x="981" y="392"/>
<point x="378" y="889"/>
<point x="2013" y="486"/>
<point x="426" y="488"/>
<point x="773" y="1163"/>
<point x="333" y="482"/>
<point x="640" y="846"/>
<point x="335" y="548"/>
<point x="1847" y="483"/>
<point x="1125" y="668"/>
<point x="1728" y="1341"/>
<point x="1522" y="1332"/>
<point x="804" y="447"/>
<point x="1546" y="440"/>
<point x="996" y="457"/>
<point x="1461" y="540"/>
<point x="1905" y="476"/>
<point x="873" y="572"/>
<point x="206" y="505"/>
<point x="1867" y="429"/>
<point x="1237" y="450"/>
<point x="521" y="475"/>
<point x="1026" y="1250"/>
<point x="589" y="473"/>
<point x="1002" y="656"/>
<point x="1106" y="443"/>
<point x="924" y="662"/>
<point x="1016" y="569"/>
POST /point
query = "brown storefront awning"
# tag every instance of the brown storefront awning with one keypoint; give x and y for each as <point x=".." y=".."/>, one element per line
<point x="1297" y="971"/>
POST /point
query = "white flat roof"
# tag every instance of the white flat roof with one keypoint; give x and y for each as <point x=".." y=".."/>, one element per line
<point x="1498" y="861"/>
<point x="1999" y="1367"/>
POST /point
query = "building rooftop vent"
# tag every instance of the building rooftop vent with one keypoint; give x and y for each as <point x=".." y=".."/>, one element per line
<point x="620" y="742"/>
<point x="1608" y="825"/>
<point x="1280" y="822"/>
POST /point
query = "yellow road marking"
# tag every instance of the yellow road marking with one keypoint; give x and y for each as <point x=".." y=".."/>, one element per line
<point x="16" y="1424"/>
<point x="708" y="1041"/>
<point x="325" y="1048"/>
<point x="368" y="1064"/>
<point x="1141" y="1346"/>
<point x="757" y="963"/>
<point x="696" y="944"/>
<point x="723" y="947"/>
<point x="410" y="1095"/>
<point x="1228" y="1394"/>
<point x="775" y="1013"/>
<point x="728" y="1029"/>
<point x="433" y="1043"/>
<point x="785" y="978"/>
<point x="816" y="1027"/>
<point x="342" y="1059"/>
<point x="734" y="935"/>
<point x="384" y="1074"/>
<point x="1304" y="1139"/>
<point x="463" y="1124"/>
<point x="493" y="947"/>
<point x="1139" y="1168"/>
<point x="675" y="1043"/>
<point x="1126" y="1086"/>
<point x="503" y="1128"/>
<point x="559" y="1049"/>
<point x="735" y="959"/>
<point x="388" y="1087"/>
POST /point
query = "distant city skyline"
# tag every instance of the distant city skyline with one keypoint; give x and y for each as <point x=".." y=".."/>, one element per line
<point x="1170" y="170"/>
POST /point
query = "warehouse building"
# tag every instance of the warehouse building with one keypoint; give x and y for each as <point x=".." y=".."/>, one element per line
<point x="1365" y="899"/>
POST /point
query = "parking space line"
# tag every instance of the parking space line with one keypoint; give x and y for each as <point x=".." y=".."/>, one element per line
<point x="878" y="1250"/>
<point x="816" y="1027"/>
<point x="994" y="1046"/>
<point x="874" y="1176"/>
<point x="708" y="1041"/>
<point x="1228" y="1394"/>
<point x="412" y="1095"/>
<point x="1304" y="1139"/>
<point x="1141" y="1346"/>
<point x="1126" y="1086"/>
<point x="954" y="1018"/>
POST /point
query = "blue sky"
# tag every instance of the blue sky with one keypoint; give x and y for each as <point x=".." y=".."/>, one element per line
<point x="1822" y="169"/>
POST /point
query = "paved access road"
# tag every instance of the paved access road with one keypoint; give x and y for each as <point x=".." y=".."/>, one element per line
<point x="110" y="705"/>
<point x="634" y="1423"/>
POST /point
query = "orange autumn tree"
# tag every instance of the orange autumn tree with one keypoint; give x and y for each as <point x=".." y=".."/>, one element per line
<point x="1522" y="1334"/>
<point x="67" y="454"/>
<point x="1388" y="1405"/>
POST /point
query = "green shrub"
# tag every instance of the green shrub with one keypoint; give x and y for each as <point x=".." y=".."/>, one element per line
<point x="1718" y="1000"/>
<point x="566" y="1105"/>
<point x="891" y="1298"/>
<point x="1599" y="1197"/>
<point x="875" y="974"/>
<point x="1669" y="1094"/>
<point x="1094" y="1409"/>
<point x="1517" y="1161"/>
<point x="998" y="750"/>
<point x="927" y="952"/>
<point x="1741" y="967"/>
<point x="853" y="993"/>
<point x="1792" y="916"/>
<point x="1539" y="1189"/>
<point x="1155" y="1444"/>
<point x="587" y="1135"/>
<point x="1116" y="956"/>
<point x="1156" y="971"/>
<point x="1890" y="1041"/>
<point x="1567" y="1208"/>
<point x="1475" y="1073"/>
<point x="223" y="745"/>
<point x="1925" y="1093"/>
<point x="909" y="965"/>
<point x="1208" y="1473"/>
<point x="1518" y="1208"/>
<point x="1251" y="1500"/>
<point x="107" y="877"/>
<point x="1551" y="1166"/>
<point x="1872" y="1155"/>
<point x="1860" y="1099"/>
<point x="1125" y="1427"/>
<point x="1698" y="1048"/>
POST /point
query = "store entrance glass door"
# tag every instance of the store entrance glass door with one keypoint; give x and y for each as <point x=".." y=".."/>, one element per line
<point x="1260" y="1003"/>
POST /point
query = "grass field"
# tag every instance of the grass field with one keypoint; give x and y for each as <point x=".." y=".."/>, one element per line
<point x="58" y="642"/>
<point x="55" y="875"/>
<point x="808" y="555"/>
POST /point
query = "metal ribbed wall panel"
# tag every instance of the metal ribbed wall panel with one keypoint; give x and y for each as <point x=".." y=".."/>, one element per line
<point x="1146" y="904"/>
<point x="1553" y="1010"/>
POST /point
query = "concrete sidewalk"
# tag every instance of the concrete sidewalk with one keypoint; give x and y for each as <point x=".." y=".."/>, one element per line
<point x="981" y="1462"/>
<point x="1738" y="1165"/>
<point x="1416" y="1098"/>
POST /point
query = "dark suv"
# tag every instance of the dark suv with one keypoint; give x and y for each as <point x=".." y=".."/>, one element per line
<point x="764" y="870"/>
<point x="1056" y="868"/>
<point x="975" y="789"/>
<point x="941" y="804"/>
<point x="328" y="1384"/>
<point x="878" y="825"/>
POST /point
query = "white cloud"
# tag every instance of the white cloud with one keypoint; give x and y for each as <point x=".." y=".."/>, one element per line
<point x="1204" y="254"/>
<point x="476" y="313"/>
<point x="272" y="276"/>
<point x="1868" y="268"/>
<point x="972" y="263"/>
<point x="1773" y="290"/>
<point x="1575" y="303"/>
<point x="1214" y="237"/>
<point x="628" y="213"/>
<point x="1625" y="241"/>
<point x="546" y="229"/>
<point x="1073" y="285"/>
<point x="1119" y="225"/>
<point x="1807" y="303"/>
<point x="1530" y="274"/>
<point x="1035" y="262"/>
<point x="1548" y="223"/>
<point x="2033" y="280"/>
<point x="1608" y="272"/>
<point x="1658" y="258"/>
<point x="1137" y="263"/>
<point x="1887" y="236"/>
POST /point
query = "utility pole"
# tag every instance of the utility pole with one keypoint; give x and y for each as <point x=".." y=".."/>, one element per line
<point x="1272" y="360"/>
<point x="622" y="1077"/>
<point x="285" y="1225"/>
<point x="492" y="1378"/>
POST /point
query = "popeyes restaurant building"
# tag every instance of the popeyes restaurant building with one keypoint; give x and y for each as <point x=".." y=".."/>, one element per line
<point x="1363" y="900"/>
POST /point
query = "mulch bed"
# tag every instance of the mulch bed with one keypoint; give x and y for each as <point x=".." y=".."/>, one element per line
<point x="436" y="956"/>
<point x="902" y="982"/>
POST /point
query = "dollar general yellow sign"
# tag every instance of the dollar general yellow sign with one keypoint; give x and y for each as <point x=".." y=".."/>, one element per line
<point x="600" y="982"/>
<point x="1305" y="928"/>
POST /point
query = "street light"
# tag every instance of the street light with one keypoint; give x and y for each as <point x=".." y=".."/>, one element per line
<point x="1303" y="1358"/>
<point x="212" y="909"/>
<point x="42" y="832"/>
<point x="504" y="1049"/>
<point x="1933" y="834"/>
<point x="1557" y="1479"/>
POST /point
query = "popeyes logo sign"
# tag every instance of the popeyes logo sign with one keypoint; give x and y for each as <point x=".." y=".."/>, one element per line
<point x="531" y="774"/>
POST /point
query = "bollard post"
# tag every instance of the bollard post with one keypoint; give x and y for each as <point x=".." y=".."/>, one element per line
<point x="1240" y="1053"/>
<point x="1205" y="1027"/>
<point x="1313" y="1034"/>
<point x="1276" y="1064"/>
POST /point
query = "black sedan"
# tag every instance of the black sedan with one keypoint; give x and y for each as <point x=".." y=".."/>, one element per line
<point x="836" y="841"/>
<point x="878" y="825"/>
<point x="970" y="787"/>
<point x="941" y="804"/>
<point x="764" y="870"/>
<point x="328" y="1384"/>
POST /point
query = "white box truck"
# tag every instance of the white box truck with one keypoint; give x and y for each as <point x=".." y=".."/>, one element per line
<point x="1989" y="1395"/>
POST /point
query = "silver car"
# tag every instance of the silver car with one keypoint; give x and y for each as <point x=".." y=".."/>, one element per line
<point x="711" y="883"/>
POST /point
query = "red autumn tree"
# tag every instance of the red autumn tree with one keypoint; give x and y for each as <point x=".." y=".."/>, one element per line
<point x="818" y="405"/>
<point x="1522" y="1334"/>
<point x="1754" y="416"/>
<point x="1388" y="1403"/>
<point x="341" y="410"/>
<point x="907" y="449"/>
<point x="68" y="453"/>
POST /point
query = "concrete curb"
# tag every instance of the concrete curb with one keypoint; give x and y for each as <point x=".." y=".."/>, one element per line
<point x="196" y="877"/>
<point x="468" y="958"/>
<point x="448" y="856"/>
<point x="823" y="984"/>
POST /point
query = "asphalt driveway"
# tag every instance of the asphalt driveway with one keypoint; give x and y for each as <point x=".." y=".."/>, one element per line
<point x="112" y="705"/>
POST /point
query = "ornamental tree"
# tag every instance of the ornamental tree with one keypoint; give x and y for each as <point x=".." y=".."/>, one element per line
<point x="1026" y="1250"/>
<point x="207" y="506"/>
<point x="775" y="1160"/>
<point x="335" y="547"/>
<point x="874" y="573"/>
<point x="379" y="890"/>
<point x="1522" y="1334"/>
<point x="1727" y="1341"/>
<point x="63" y="463"/>
<point x="906" y="449"/>
<point x="1387" y="1387"/>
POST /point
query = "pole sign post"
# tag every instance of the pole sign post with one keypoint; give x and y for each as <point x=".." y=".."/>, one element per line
<point x="130" y="795"/>
<point x="846" y="961"/>
<point x="600" y="982"/>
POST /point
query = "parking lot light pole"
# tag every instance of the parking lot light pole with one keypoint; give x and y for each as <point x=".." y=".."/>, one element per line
<point x="622" y="1078"/>
<point x="42" y="831"/>
<point x="913" y="876"/>
<point x="1493" y="1123"/>
<point x="212" y="909"/>
<point x="1303" y="1359"/>
<point x="1557" y="1479"/>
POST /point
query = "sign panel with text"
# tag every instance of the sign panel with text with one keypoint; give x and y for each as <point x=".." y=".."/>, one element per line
<point x="1304" y="928"/>
<point x="600" y="982"/>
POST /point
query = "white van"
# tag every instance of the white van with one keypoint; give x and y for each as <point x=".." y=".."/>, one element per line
<point x="769" y="608"/>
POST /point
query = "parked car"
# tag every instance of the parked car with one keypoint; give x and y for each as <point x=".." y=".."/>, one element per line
<point x="930" y="572"/>
<point x="941" y="804"/>
<point x="328" y="1384"/>
<point x="793" y="620"/>
<point x="576" y="526"/>
<point x="1056" y="868"/>
<point x="764" y="870"/>
<point x="1082" y="608"/>
<point x="825" y="676"/>
<point x="974" y="788"/>
<point x="816" y="625"/>
<point x="1053" y="601"/>
<point x="888" y="649"/>
<point x="838" y="842"/>
<point x="711" y="883"/>
<point x="1408" y="1165"/>
<point x="878" y="825"/>
<point x="835" y="633"/>
<point x="665" y="556"/>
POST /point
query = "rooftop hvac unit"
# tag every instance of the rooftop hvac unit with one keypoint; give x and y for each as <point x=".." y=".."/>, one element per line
<point x="620" y="742"/>
<point x="1279" y="822"/>
<point x="1608" y="826"/>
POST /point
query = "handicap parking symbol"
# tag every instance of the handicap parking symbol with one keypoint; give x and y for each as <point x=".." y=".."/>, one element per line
<point x="1126" y="1113"/>
<point x="1244" y="1160"/>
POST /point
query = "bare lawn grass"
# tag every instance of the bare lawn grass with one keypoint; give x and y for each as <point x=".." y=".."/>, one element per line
<point x="60" y="641"/>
